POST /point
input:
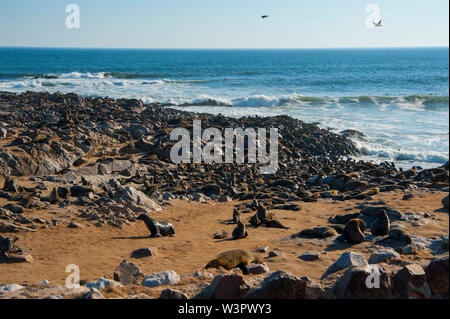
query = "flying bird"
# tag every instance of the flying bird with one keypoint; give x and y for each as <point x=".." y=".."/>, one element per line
<point x="264" y="16"/>
<point x="377" y="24"/>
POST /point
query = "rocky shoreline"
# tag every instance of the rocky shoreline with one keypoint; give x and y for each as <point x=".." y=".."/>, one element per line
<point x="107" y="161"/>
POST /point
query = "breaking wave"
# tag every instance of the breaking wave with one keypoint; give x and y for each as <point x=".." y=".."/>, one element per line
<point x="417" y="101"/>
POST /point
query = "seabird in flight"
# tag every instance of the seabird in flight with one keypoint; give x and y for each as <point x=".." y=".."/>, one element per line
<point x="377" y="24"/>
<point x="264" y="16"/>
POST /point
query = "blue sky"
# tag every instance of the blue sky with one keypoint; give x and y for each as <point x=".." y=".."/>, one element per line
<point x="223" y="24"/>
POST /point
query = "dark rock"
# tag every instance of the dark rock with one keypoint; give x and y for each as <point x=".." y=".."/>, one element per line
<point x="77" y="191"/>
<point x="225" y="287"/>
<point x="283" y="285"/>
<point x="407" y="196"/>
<point x="73" y="224"/>
<point x="16" y="209"/>
<point x="346" y="260"/>
<point x="445" y="202"/>
<point x="144" y="252"/>
<point x="309" y="256"/>
<point x="257" y="269"/>
<point x="211" y="189"/>
<point x="437" y="276"/>
<point x="411" y="282"/>
<point x="364" y="282"/>
<point x="128" y="273"/>
<point x="172" y="294"/>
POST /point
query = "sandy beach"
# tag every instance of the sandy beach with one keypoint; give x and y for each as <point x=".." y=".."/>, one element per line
<point x="98" y="251"/>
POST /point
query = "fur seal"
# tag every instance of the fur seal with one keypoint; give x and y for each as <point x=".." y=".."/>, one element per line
<point x="318" y="232"/>
<point x="274" y="224"/>
<point x="54" y="196"/>
<point x="7" y="245"/>
<point x="354" y="231"/>
<point x="398" y="234"/>
<point x="261" y="213"/>
<point x="10" y="186"/>
<point x="381" y="226"/>
<point x="236" y="216"/>
<point x="339" y="228"/>
<point x="239" y="232"/>
<point x="157" y="229"/>
<point x="233" y="258"/>
<point x="254" y="220"/>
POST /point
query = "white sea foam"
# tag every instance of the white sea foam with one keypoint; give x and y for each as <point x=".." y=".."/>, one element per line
<point x="406" y="129"/>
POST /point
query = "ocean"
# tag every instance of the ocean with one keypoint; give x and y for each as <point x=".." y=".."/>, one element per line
<point x="398" y="98"/>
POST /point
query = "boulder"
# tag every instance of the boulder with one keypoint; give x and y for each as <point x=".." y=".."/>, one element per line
<point x="6" y="227"/>
<point x="225" y="287"/>
<point x="128" y="273"/>
<point x="437" y="276"/>
<point x="172" y="294"/>
<point x="169" y="277"/>
<point x="383" y="255"/>
<point x="257" y="269"/>
<point x="10" y="288"/>
<point x="346" y="260"/>
<point x="16" y="209"/>
<point x="144" y="252"/>
<point x="283" y="285"/>
<point x="309" y="256"/>
<point x="445" y="202"/>
<point x="94" y="294"/>
<point x="135" y="200"/>
<point x="73" y="224"/>
<point x="103" y="283"/>
<point x="411" y="282"/>
<point x="364" y="282"/>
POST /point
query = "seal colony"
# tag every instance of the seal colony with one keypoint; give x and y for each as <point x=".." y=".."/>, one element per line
<point x="106" y="163"/>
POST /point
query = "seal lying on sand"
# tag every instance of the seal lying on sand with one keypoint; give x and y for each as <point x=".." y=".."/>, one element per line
<point x="381" y="226"/>
<point x="234" y="258"/>
<point x="239" y="232"/>
<point x="398" y="234"/>
<point x="157" y="229"/>
<point x="317" y="232"/>
<point x="354" y="231"/>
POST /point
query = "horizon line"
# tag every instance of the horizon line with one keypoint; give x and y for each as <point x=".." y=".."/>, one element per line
<point x="218" y="48"/>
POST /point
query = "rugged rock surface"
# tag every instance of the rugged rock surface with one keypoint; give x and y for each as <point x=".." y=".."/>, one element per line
<point x="169" y="277"/>
<point x="283" y="285"/>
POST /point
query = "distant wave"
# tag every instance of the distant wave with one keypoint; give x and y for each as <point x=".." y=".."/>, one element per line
<point x="100" y="81"/>
<point x="99" y="75"/>
<point x="417" y="101"/>
<point x="391" y="154"/>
